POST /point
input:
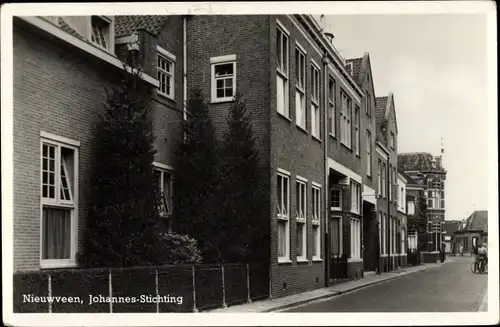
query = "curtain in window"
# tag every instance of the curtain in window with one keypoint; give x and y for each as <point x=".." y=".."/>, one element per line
<point x="56" y="230"/>
<point x="281" y="238"/>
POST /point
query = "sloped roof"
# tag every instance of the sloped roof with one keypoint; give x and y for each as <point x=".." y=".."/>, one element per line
<point x="416" y="161"/>
<point x="451" y="226"/>
<point x="380" y="108"/>
<point x="126" y="25"/>
<point x="478" y="220"/>
<point x="68" y="29"/>
<point x="356" y="68"/>
<point x="409" y="179"/>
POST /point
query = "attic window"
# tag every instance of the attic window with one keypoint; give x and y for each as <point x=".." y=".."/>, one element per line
<point x="100" y="32"/>
<point x="349" y="67"/>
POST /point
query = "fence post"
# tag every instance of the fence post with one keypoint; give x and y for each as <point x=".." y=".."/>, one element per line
<point x="157" y="294"/>
<point x="50" y="293"/>
<point x="194" y="292"/>
<point x="224" y="304"/>
<point x="248" y="284"/>
<point x="110" y="280"/>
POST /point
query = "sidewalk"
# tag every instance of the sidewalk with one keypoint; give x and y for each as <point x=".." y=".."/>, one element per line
<point x="286" y="302"/>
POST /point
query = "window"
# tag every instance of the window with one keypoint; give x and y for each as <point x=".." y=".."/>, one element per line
<point x="165" y="184"/>
<point x="59" y="172"/>
<point x="368" y="153"/>
<point x="223" y="78"/>
<point x="315" y="115"/>
<point x="300" y="83"/>
<point x="301" y="205"/>
<point x="393" y="141"/>
<point x="384" y="233"/>
<point x="282" y="75"/>
<point x="442" y="203"/>
<point x="384" y="175"/>
<point x="401" y="198"/>
<point x="402" y="238"/>
<point x="355" y="238"/>
<point x="355" y="197"/>
<point x="379" y="178"/>
<point x="316" y="214"/>
<point x="345" y="120"/>
<point x="395" y="184"/>
<point x="356" y="130"/>
<point x="380" y="226"/>
<point x="331" y="106"/>
<point x="283" y="206"/>
<point x="100" y="32"/>
<point x="391" y="183"/>
<point x="165" y="72"/>
<point x="368" y="106"/>
<point x="336" y="236"/>
<point x="430" y="203"/>
<point x="336" y="199"/>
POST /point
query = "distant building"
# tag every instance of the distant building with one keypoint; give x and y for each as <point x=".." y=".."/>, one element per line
<point x="428" y="172"/>
<point x="470" y="231"/>
<point x="450" y="227"/>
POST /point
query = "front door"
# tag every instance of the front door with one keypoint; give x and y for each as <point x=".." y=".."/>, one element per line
<point x="338" y="261"/>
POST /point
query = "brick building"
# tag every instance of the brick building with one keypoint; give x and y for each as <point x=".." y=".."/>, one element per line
<point x="322" y="135"/>
<point x="470" y="232"/>
<point x="427" y="171"/>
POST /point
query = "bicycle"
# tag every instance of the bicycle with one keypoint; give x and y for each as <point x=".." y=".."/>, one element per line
<point x="482" y="267"/>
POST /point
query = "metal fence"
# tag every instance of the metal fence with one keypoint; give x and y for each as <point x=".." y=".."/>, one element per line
<point x="179" y="288"/>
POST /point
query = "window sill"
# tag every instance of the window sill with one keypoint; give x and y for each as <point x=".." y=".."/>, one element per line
<point x="315" y="223"/>
<point x="346" y="146"/>
<point x="302" y="129"/>
<point x="317" y="259"/>
<point x="282" y="261"/>
<point x="332" y="136"/>
<point x="300" y="220"/>
<point x="165" y="96"/>
<point x="223" y="100"/>
<point x="302" y="260"/>
<point x="285" y="117"/>
<point x="317" y="139"/>
<point x="55" y="265"/>
<point x="335" y="209"/>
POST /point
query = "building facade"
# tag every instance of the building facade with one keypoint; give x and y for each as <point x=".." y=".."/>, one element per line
<point x="327" y="145"/>
<point x="470" y="232"/>
<point x="428" y="171"/>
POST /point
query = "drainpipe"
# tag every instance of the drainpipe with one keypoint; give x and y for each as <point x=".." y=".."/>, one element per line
<point x="325" y="151"/>
<point x="389" y="225"/>
<point x="184" y="64"/>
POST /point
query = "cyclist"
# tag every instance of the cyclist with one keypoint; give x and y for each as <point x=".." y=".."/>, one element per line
<point x="482" y="254"/>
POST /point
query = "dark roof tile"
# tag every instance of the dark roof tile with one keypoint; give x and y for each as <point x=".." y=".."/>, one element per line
<point x="126" y="25"/>
<point x="416" y="161"/>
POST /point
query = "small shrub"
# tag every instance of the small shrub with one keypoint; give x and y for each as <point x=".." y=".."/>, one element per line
<point x="178" y="249"/>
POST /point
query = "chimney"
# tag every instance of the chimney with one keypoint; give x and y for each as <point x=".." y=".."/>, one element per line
<point x="329" y="36"/>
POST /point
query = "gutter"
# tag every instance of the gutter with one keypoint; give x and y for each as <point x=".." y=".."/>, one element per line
<point x="325" y="188"/>
<point x="82" y="45"/>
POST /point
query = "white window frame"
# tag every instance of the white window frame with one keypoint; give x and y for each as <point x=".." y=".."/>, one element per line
<point x="315" y="96"/>
<point x="162" y="172"/>
<point x="282" y="68"/>
<point x="336" y="189"/>
<point x="403" y="240"/>
<point x="107" y="35"/>
<point x="380" y="235"/>
<point x="72" y="205"/>
<point x="284" y="215"/>
<point x="169" y="58"/>
<point x="355" y="236"/>
<point x="300" y="86"/>
<point x="368" y="106"/>
<point x="393" y="141"/>
<point x="357" y="123"/>
<point x="223" y="60"/>
<point x="368" y="153"/>
<point x="379" y="178"/>
<point x="316" y="219"/>
<point x="301" y="214"/>
<point x="384" y="180"/>
<point x="331" y="105"/>
<point x="384" y="233"/>
<point x="355" y="197"/>
<point x="345" y="119"/>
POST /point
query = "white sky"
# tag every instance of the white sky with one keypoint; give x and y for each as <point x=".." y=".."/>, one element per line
<point x="436" y="67"/>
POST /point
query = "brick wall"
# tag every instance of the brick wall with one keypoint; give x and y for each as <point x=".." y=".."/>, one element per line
<point x="58" y="92"/>
<point x="299" y="153"/>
